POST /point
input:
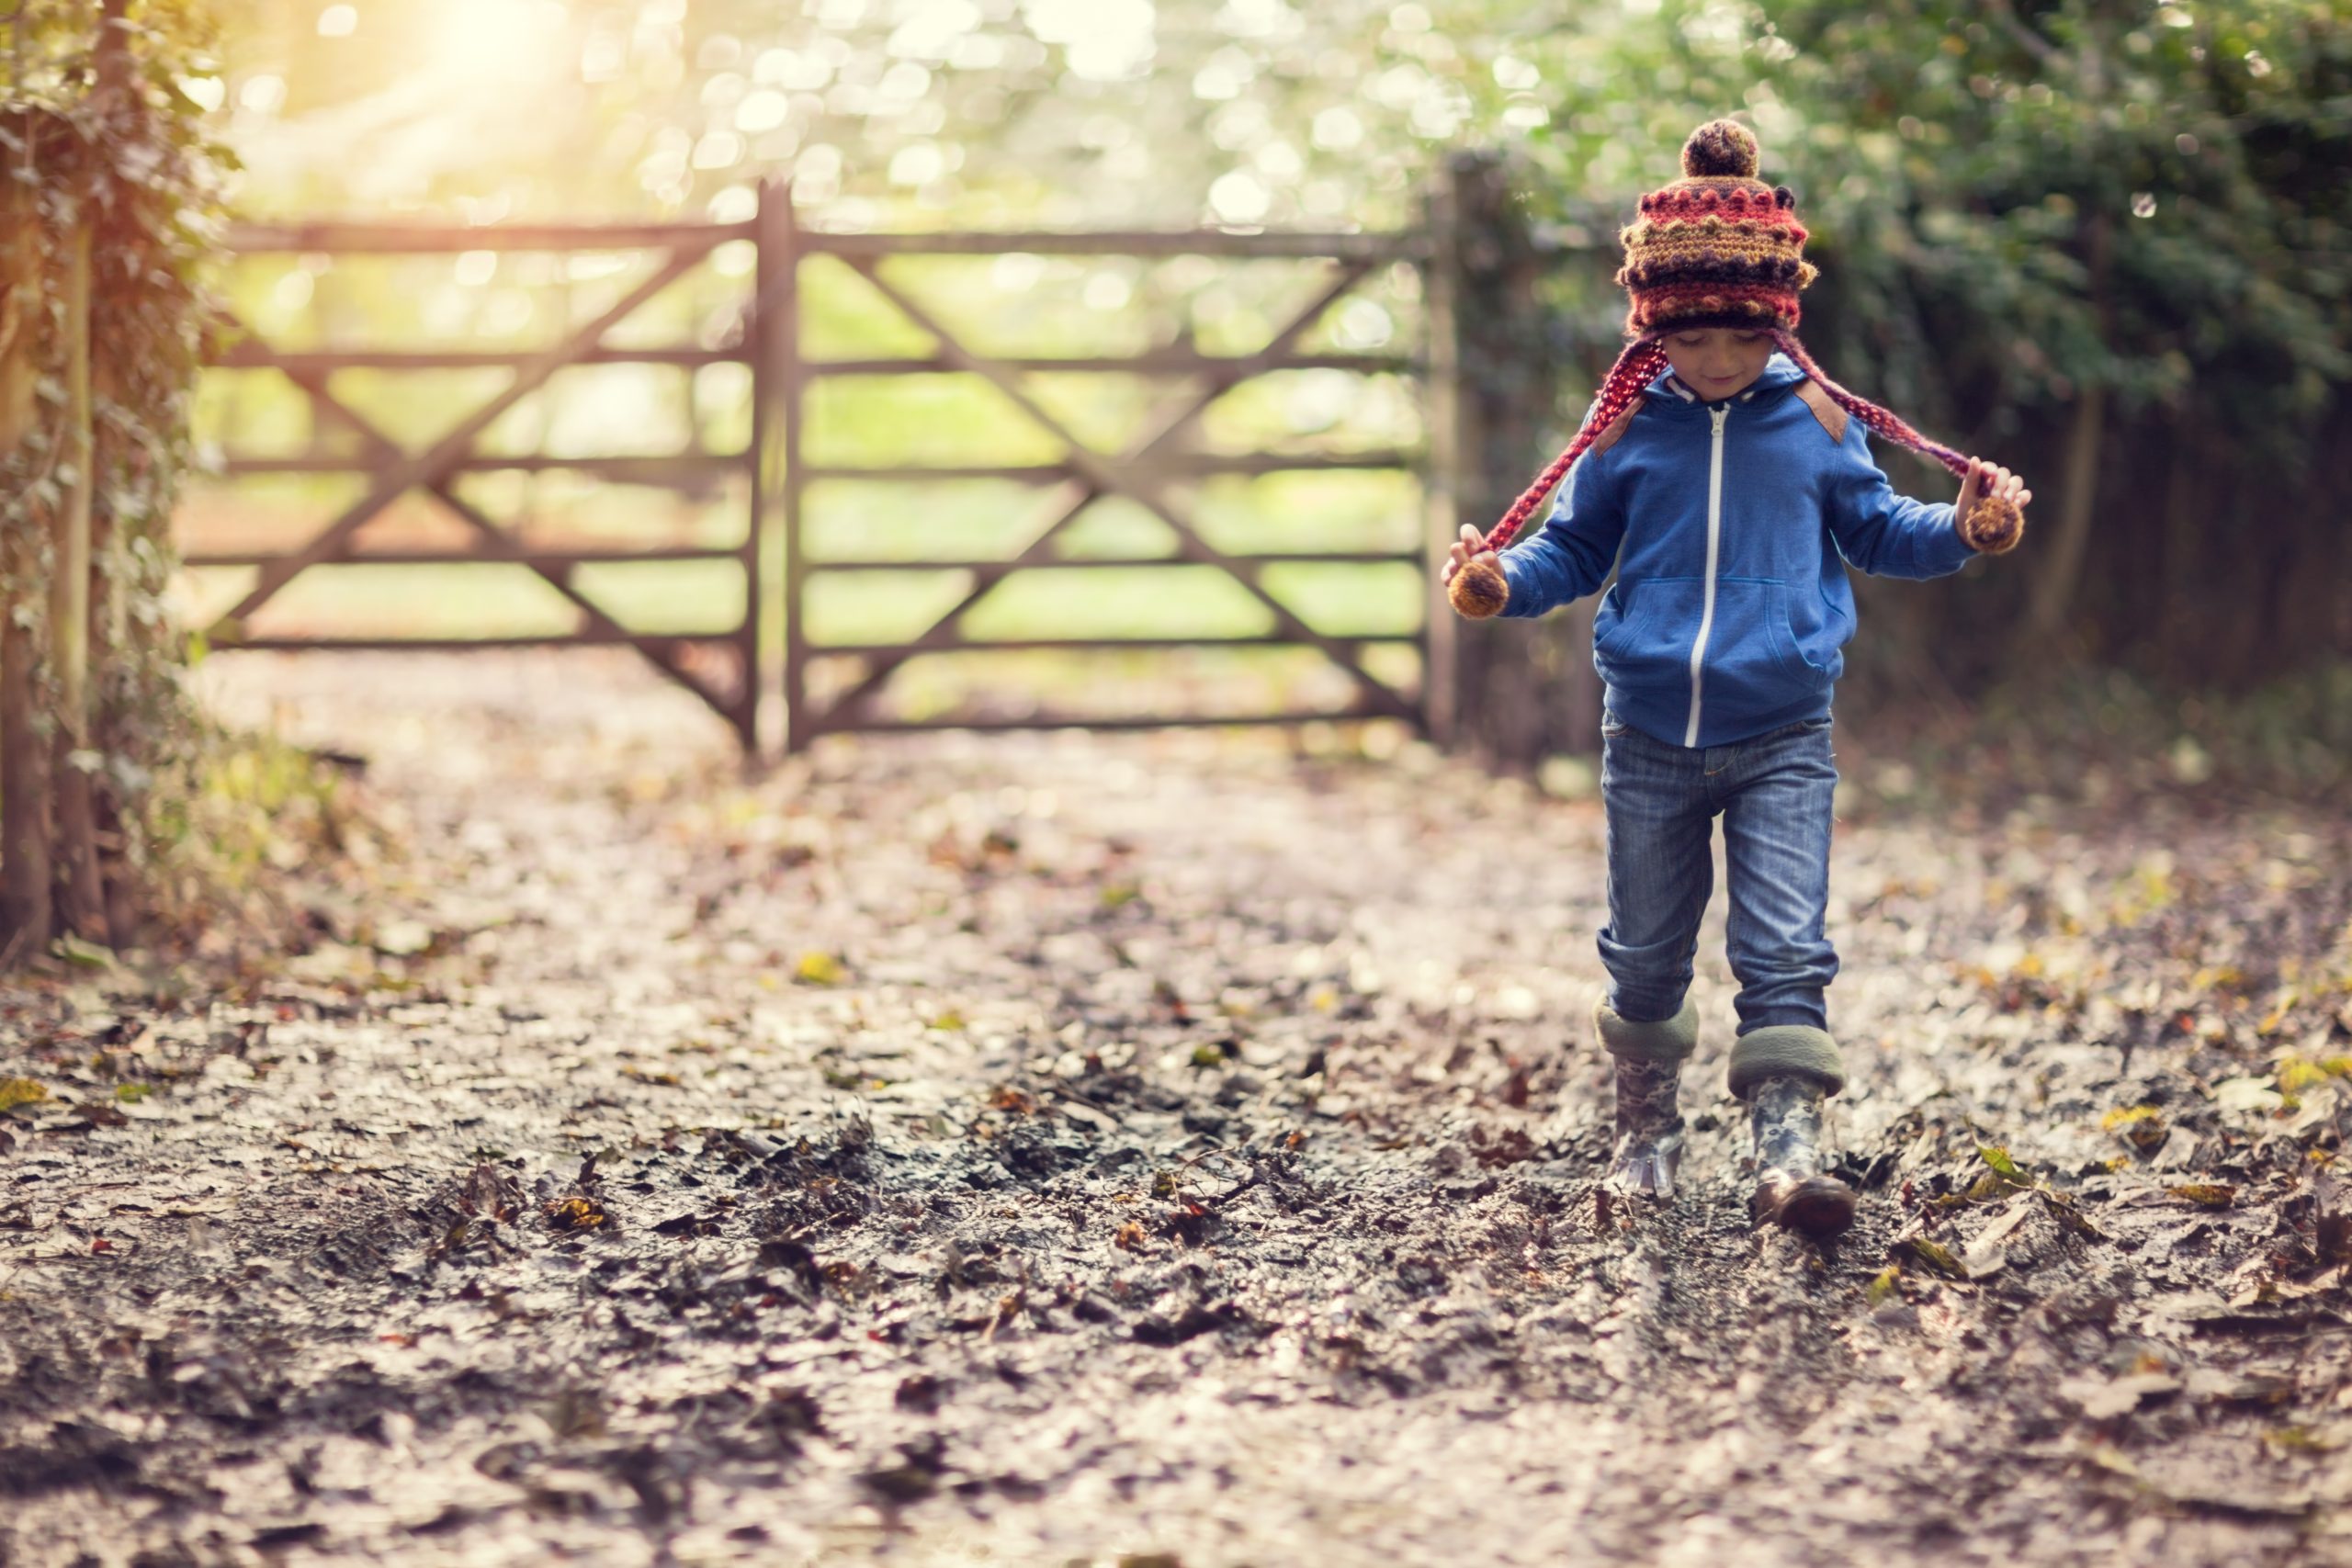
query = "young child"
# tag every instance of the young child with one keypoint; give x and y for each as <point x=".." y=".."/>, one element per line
<point x="1730" y="485"/>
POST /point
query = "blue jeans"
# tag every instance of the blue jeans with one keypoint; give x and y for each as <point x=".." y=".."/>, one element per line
<point x="1774" y="793"/>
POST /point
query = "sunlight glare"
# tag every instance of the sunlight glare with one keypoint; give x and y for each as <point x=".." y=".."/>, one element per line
<point x="500" y="44"/>
<point x="1104" y="40"/>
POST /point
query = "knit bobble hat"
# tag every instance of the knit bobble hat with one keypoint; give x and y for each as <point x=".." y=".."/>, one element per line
<point x="1718" y="247"/>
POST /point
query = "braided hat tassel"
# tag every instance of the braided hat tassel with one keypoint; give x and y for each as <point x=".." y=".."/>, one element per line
<point x="1479" y="589"/>
<point x="1993" y="525"/>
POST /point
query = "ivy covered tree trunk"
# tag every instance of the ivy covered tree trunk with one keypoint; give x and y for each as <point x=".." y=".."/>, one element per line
<point x="104" y="170"/>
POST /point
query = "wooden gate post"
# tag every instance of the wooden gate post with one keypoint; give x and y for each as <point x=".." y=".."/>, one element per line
<point x="771" y="293"/>
<point x="1511" y="692"/>
<point x="780" y="355"/>
<point x="25" y="904"/>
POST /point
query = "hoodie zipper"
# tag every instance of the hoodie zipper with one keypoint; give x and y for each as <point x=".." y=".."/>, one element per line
<point x="1715" y="550"/>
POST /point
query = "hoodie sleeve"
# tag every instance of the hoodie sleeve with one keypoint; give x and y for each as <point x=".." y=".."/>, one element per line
<point x="1885" y="534"/>
<point x="1572" y="555"/>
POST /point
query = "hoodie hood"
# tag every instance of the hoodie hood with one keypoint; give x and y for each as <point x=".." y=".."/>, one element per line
<point x="1780" y="373"/>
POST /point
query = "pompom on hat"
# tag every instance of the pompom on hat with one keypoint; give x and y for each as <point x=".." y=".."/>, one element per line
<point x="1716" y="248"/>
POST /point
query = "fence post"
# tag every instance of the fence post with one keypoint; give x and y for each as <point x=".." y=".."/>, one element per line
<point x="771" y="244"/>
<point x="1511" y="692"/>
<point x="781" y="349"/>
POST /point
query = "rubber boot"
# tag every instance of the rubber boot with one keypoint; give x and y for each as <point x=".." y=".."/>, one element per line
<point x="1783" y="1071"/>
<point x="1649" y="1128"/>
<point x="1784" y="1112"/>
<point x="1649" y="1057"/>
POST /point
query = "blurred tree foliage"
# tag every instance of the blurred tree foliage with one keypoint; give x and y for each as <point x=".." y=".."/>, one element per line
<point x="2105" y="242"/>
<point x="883" y="111"/>
<point x="2109" y="245"/>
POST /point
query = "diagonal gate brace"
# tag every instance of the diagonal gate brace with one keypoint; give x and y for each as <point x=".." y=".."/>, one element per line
<point x="660" y="652"/>
<point x="437" y="463"/>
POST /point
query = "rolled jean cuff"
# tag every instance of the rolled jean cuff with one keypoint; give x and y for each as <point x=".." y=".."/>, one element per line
<point x="1800" y="1015"/>
<point x="1786" y="1050"/>
<point x="1667" y="1040"/>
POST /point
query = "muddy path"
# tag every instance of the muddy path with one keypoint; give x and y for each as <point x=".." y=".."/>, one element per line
<point x="1151" y="1151"/>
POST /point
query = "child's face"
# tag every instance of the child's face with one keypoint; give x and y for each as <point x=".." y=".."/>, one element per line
<point x="1716" y="362"/>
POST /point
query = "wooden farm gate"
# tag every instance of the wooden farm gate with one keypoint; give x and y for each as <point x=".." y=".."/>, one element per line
<point x="1156" y="460"/>
<point x="724" y="668"/>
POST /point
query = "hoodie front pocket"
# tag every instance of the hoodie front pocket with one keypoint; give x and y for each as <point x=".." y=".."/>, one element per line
<point x="1819" y="645"/>
<point x="1752" y="664"/>
<point x="1648" y="646"/>
<point x="1612" y="640"/>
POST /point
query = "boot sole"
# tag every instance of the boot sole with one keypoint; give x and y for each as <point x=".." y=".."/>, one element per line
<point x="1821" y="1207"/>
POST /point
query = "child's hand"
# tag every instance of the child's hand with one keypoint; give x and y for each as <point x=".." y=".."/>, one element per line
<point x="1990" y="513"/>
<point x="1471" y="543"/>
<point x="1473" y="578"/>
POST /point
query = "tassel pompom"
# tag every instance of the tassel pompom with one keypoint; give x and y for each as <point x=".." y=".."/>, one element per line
<point x="1480" y="589"/>
<point x="1993" y="526"/>
<point x="1721" y="148"/>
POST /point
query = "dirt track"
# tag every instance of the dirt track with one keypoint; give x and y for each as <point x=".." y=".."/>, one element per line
<point x="1162" y="1150"/>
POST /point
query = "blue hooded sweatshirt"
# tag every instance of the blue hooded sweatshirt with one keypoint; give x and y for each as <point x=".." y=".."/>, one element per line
<point x="1736" y="520"/>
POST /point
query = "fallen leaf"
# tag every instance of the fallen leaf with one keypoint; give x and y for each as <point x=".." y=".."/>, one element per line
<point x="576" y="1213"/>
<point x="1935" y="1255"/>
<point x="1983" y="1260"/>
<point x="84" y="954"/>
<point x="403" y="939"/>
<point x="2206" y="1195"/>
<point x="2248" y="1094"/>
<point x="2141" y="1126"/>
<point x="1496" y="1150"/>
<point x="2308" y="1439"/>
<point x="2103" y="1400"/>
<point x="2208" y="1383"/>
